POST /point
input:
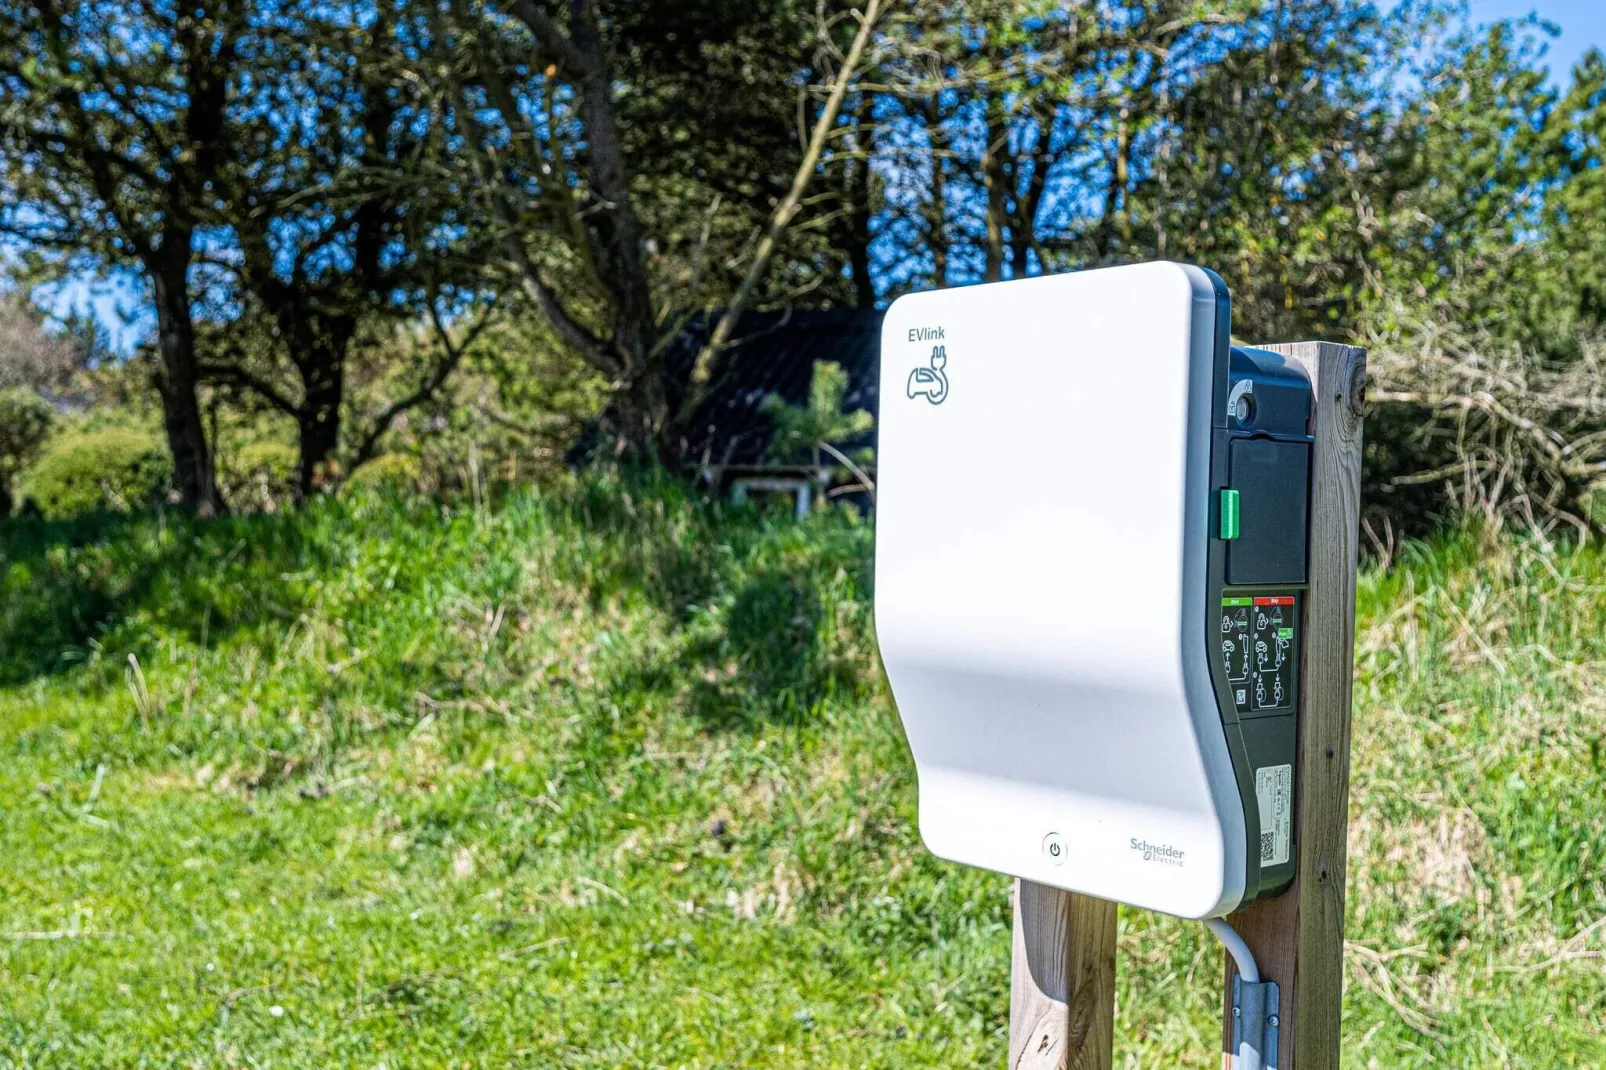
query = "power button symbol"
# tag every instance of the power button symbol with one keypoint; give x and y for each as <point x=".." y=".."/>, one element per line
<point x="1054" y="848"/>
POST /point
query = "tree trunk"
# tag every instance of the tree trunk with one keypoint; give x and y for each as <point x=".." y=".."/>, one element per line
<point x="937" y="211"/>
<point x="321" y="359"/>
<point x="176" y="380"/>
<point x="1023" y="229"/>
<point x="1116" y="224"/>
<point x="996" y="178"/>
<point x="858" y="208"/>
<point x="640" y="416"/>
<point x="852" y="226"/>
<point x="618" y="230"/>
<point x="319" y="430"/>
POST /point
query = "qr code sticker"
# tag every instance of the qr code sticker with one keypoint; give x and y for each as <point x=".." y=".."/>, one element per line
<point x="1274" y="791"/>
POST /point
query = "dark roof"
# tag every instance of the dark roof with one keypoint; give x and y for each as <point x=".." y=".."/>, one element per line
<point x="772" y="353"/>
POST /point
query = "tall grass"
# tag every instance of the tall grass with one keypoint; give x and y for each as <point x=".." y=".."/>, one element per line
<point x="601" y="775"/>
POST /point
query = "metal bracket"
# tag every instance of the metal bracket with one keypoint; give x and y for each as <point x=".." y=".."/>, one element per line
<point x="1254" y="1024"/>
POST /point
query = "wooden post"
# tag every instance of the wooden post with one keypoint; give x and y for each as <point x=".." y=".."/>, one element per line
<point x="1298" y="937"/>
<point x="1062" y="990"/>
<point x="1062" y="985"/>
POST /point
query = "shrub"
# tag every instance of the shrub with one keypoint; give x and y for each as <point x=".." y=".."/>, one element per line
<point x="821" y="419"/>
<point x="259" y="476"/>
<point x="111" y="468"/>
<point x="1462" y="421"/>
<point x="25" y="421"/>
<point x="390" y="471"/>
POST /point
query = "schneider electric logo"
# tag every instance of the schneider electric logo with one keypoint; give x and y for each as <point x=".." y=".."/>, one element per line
<point x="1162" y="853"/>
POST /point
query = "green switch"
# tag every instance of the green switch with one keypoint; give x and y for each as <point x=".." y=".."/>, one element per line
<point x="1229" y="514"/>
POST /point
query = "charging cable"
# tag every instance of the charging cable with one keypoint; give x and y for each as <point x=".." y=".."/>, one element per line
<point x="1254" y="1005"/>
<point x="1236" y="948"/>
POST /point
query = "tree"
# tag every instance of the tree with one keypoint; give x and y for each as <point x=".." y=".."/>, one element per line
<point x="1270" y="162"/>
<point x="32" y="357"/>
<point x="702" y="371"/>
<point x="1484" y="314"/>
<point x="1459" y="214"/>
<point x="111" y="138"/>
<point x="342" y="226"/>
<point x="1575" y="215"/>
<point x="539" y="111"/>
<point x="821" y="424"/>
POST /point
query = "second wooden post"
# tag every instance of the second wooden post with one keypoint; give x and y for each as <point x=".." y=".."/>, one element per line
<point x="1062" y="984"/>
<point x="1062" y="990"/>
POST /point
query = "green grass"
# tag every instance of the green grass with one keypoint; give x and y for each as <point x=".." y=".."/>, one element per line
<point x="601" y="777"/>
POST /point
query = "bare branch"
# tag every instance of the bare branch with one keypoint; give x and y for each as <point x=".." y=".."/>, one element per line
<point x="451" y="357"/>
<point x="703" y="368"/>
<point x="1507" y="432"/>
<point x="858" y="473"/>
<point x="236" y="376"/>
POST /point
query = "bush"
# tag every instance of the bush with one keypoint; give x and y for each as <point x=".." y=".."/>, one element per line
<point x="118" y="468"/>
<point x="391" y="471"/>
<point x="1463" y="422"/>
<point x="801" y="430"/>
<point x="25" y="421"/>
<point x="259" y="476"/>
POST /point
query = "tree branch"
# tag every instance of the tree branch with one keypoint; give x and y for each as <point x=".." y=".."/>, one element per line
<point x="703" y="368"/>
<point x="591" y="348"/>
<point x="552" y="39"/>
<point x="453" y="355"/>
<point x="233" y="375"/>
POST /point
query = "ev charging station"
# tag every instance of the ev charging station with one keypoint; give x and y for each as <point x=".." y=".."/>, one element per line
<point x="1092" y="554"/>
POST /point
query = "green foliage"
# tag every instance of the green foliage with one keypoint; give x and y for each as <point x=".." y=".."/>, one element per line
<point x="116" y="468"/>
<point x="601" y="776"/>
<point x="510" y="411"/>
<point x="260" y="475"/>
<point x="1471" y="163"/>
<point x="1353" y="170"/>
<point x="801" y="429"/>
<point x="1577" y="209"/>
<point x="25" y="423"/>
<point x="390" y="471"/>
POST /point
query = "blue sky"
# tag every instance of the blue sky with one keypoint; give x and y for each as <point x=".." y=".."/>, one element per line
<point x="117" y="303"/>
<point x="1582" y="23"/>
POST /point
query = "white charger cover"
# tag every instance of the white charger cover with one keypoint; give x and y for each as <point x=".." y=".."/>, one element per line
<point x="1041" y="526"/>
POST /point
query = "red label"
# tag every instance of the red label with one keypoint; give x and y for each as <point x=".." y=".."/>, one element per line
<point x="1279" y="600"/>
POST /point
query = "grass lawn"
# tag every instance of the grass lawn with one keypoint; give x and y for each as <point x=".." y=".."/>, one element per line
<point x="599" y="777"/>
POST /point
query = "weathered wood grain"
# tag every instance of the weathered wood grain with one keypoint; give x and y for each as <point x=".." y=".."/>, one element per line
<point x="1062" y="988"/>
<point x="1298" y="937"/>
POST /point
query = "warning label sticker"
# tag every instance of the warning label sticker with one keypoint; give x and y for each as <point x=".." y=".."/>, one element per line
<point x="1258" y="649"/>
<point x="1274" y="791"/>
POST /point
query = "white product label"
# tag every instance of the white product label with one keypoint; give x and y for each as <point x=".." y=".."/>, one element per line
<point x="1274" y="790"/>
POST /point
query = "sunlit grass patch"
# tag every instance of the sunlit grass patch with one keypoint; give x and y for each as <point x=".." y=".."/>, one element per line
<point x="604" y="776"/>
